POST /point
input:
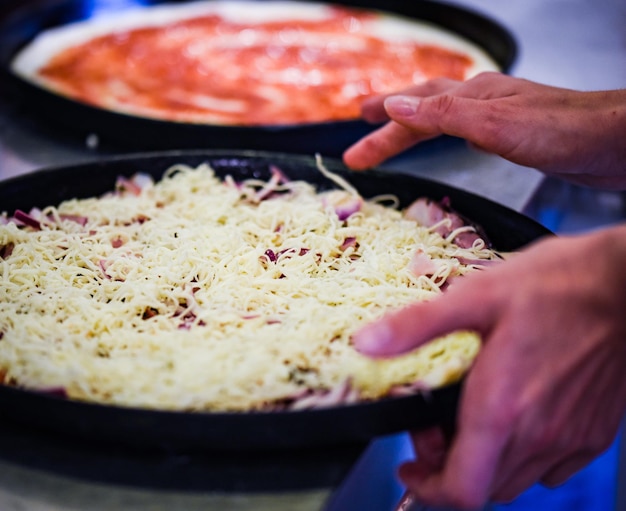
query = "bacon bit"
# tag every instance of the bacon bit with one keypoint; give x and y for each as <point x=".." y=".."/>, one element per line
<point x="422" y="264"/>
<point x="26" y="219"/>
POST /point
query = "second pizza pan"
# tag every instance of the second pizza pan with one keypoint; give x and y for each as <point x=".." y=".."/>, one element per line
<point x="22" y="23"/>
<point x="256" y="431"/>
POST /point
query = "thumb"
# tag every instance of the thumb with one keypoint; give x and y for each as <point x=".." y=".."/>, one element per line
<point x="416" y="324"/>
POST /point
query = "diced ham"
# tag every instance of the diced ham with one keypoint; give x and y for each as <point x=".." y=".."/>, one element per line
<point x="444" y="221"/>
<point x="422" y="264"/>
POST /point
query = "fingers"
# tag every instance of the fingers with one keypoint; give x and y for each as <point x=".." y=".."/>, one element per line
<point x="419" y="119"/>
<point x="465" y="481"/>
<point x="392" y="138"/>
<point x="462" y="307"/>
<point x="547" y="470"/>
<point x="475" y="120"/>
<point x="380" y="145"/>
<point x="476" y="110"/>
<point x="430" y="447"/>
<point x="373" y="109"/>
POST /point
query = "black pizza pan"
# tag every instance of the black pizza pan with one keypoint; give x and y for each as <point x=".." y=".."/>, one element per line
<point x="24" y="21"/>
<point x="256" y="431"/>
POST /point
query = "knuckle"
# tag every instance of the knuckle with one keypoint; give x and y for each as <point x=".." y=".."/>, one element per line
<point x="486" y="76"/>
<point x="443" y="103"/>
<point x="438" y="84"/>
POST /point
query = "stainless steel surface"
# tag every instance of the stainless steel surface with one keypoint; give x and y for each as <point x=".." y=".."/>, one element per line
<point x="571" y="43"/>
<point x="27" y="490"/>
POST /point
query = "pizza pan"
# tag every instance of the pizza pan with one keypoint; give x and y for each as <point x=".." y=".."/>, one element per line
<point x="256" y="431"/>
<point x="26" y="20"/>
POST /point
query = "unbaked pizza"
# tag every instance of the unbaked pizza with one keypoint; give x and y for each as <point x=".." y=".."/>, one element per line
<point x="242" y="63"/>
<point x="200" y="293"/>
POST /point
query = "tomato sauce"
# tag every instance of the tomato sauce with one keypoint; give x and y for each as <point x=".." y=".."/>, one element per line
<point x="212" y="70"/>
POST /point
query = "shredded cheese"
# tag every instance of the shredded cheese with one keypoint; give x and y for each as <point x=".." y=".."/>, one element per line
<point x="188" y="294"/>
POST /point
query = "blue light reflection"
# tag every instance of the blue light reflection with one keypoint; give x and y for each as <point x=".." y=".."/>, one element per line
<point x="93" y="8"/>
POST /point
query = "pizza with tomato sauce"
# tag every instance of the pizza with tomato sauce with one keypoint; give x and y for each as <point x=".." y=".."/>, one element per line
<point x="243" y="63"/>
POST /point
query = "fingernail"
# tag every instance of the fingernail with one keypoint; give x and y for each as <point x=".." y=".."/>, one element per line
<point x="372" y="339"/>
<point x="402" y="106"/>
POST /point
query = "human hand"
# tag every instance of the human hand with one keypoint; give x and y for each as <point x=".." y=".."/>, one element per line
<point x="574" y="135"/>
<point x="547" y="392"/>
